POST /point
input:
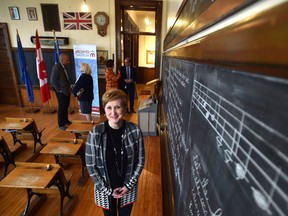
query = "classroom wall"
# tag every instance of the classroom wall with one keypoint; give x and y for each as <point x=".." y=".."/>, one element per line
<point x="28" y="28"/>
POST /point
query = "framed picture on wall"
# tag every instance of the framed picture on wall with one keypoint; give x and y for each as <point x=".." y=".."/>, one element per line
<point x="31" y="13"/>
<point x="150" y="56"/>
<point x="50" y="15"/>
<point x="14" y="13"/>
<point x="102" y="57"/>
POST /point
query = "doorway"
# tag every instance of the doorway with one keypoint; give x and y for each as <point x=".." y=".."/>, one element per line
<point x="138" y="36"/>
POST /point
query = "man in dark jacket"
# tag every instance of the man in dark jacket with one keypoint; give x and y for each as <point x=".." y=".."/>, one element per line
<point x="127" y="81"/>
<point x="61" y="85"/>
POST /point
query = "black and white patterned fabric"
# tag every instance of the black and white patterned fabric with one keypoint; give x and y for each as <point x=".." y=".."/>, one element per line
<point x="95" y="156"/>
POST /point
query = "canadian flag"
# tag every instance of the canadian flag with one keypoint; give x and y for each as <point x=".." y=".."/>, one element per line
<point x="41" y="71"/>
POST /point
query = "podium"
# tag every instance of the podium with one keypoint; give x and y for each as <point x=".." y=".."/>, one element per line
<point x="147" y="117"/>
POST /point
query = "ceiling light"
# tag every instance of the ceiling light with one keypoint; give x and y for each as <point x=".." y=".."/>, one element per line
<point x="147" y="21"/>
<point x="84" y="7"/>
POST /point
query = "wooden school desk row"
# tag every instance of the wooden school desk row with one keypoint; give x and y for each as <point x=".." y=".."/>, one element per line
<point x="49" y="177"/>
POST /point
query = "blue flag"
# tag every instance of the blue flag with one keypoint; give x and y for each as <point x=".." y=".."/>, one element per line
<point x="24" y="70"/>
<point x="56" y="51"/>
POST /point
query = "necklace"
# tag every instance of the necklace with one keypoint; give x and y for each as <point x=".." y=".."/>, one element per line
<point x="119" y="170"/>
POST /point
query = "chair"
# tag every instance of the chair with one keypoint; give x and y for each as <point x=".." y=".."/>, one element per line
<point x="7" y="155"/>
<point x="30" y="133"/>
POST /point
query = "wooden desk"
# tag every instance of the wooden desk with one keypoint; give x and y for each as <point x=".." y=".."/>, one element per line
<point x="66" y="147"/>
<point x="5" y="125"/>
<point x="80" y="128"/>
<point x="16" y="125"/>
<point x="26" y="177"/>
<point x="12" y="128"/>
<point x="36" y="177"/>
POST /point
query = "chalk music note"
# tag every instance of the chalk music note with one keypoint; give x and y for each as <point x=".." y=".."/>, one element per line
<point x="219" y="141"/>
<point x="212" y="117"/>
<point x="240" y="171"/>
<point x="207" y="115"/>
<point x="260" y="199"/>
<point x="236" y="149"/>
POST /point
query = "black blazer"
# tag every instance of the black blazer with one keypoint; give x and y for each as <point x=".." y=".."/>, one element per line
<point x="133" y="76"/>
<point x="59" y="80"/>
<point x="85" y="81"/>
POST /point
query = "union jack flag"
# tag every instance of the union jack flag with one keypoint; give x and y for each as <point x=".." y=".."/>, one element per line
<point x="77" y="21"/>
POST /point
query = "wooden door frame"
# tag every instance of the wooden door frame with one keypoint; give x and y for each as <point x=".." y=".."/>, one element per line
<point x="4" y="26"/>
<point x="157" y="5"/>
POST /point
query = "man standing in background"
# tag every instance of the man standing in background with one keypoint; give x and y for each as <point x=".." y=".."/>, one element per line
<point x="128" y="79"/>
<point x="61" y="85"/>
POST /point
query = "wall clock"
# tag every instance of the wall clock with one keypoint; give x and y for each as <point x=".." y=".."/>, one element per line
<point x="101" y="19"/>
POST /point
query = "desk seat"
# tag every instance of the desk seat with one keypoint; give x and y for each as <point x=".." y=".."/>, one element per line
<point x="7" y="154"/>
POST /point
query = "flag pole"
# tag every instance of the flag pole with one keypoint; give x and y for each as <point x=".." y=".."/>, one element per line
<point x="42" y="76"/>
<point x="24" y="74"/>
<point x="32" y="109"/>
<point x="49" y="109"/>
<point x="56" y="48"/>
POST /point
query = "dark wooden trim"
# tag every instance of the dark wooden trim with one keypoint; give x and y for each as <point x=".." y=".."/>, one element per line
<point x="193" y="17"/>
<point x="139" y="5"/>
<point x="118" y="33"/>
<point x="4" y="26"/>
<point x="167" y="187"/>
<point x="138" y="33"/>
<point x="158" y="27"/>
<point x="43" y="50"/>
<point x="258" y="44"/>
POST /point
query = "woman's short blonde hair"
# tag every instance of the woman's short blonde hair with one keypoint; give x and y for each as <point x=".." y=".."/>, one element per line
<point x="114" y="94"/>
<point x="85" y="68"/>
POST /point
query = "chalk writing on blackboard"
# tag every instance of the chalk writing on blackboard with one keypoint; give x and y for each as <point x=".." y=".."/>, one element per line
<point x="178" y="81"/>
<point x="238" y="142"/>
<point x="200" y="192"/>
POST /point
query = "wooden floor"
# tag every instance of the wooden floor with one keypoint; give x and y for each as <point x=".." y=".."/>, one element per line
<point x="12" y="201"/>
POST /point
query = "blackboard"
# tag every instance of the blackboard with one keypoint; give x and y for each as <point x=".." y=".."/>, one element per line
<point x="228" y="140"/>
<point x="48" y="57"/>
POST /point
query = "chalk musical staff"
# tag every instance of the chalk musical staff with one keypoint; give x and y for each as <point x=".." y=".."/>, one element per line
<point x="252" y="150"/>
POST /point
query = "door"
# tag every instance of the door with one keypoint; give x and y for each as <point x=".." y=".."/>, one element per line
<point x="138" y="36"/>
<point x="8" y="83"/>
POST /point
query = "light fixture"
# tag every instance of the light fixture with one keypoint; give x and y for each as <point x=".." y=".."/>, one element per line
<point x="84" y="7"/>
<point x="147" y="21"/>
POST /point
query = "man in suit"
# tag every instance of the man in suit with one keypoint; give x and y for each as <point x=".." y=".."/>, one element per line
<point x="61" y="85"/>
<point x="127" y="81"/>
